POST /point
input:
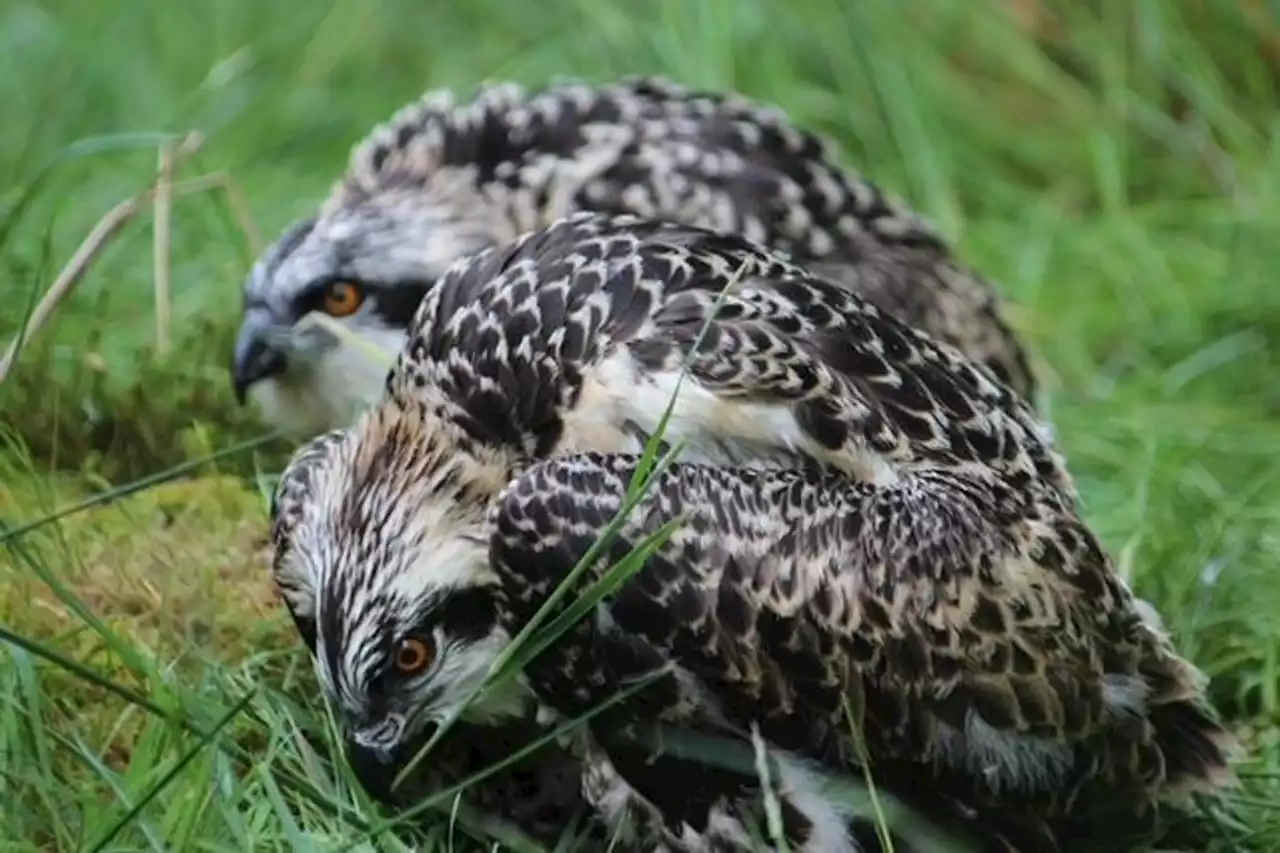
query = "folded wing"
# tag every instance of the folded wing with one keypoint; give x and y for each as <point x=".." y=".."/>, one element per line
<point x="932" y="615"/>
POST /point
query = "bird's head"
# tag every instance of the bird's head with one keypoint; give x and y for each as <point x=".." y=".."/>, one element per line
<point x="388" y="527"/>
<point x="365" y="266"/>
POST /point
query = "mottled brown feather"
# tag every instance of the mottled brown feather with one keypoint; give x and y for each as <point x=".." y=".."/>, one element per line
<point x="966" y="493"/>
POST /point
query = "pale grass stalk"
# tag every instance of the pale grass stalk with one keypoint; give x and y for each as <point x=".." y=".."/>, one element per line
<point x="161" y="194"/>
<point x="161" y="254"/>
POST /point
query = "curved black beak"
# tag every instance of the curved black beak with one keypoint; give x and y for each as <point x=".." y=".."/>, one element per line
<point x="255" y="359"/>
<point x="376" y="767"/>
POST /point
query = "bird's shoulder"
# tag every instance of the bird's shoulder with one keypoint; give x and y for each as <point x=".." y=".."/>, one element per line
<point x="510" y="159"/>
<point x="646" y="145"/>
<point x="504" y="136"/>
<point x="532" y="318"/>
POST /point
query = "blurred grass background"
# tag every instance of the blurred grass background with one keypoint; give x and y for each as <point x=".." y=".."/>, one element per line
<point x="1113" y="165"/>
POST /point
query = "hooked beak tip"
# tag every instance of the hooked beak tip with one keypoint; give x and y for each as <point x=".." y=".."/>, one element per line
<point x="254" y="360"/>
<point x="381" y="741"/>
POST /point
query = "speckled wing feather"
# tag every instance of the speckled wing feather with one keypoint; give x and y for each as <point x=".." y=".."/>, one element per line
<point x="981" y="645"/>
<point x="577" y="332"/>
<point x="649" y="147"/>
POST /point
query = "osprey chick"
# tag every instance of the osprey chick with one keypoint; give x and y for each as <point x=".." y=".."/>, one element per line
<point x="875" y="525"/>
<point x="540" y="794"/>
<point x="440" y="181"/>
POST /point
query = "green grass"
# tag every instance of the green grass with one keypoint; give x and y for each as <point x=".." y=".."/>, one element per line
<point x="1114" y="166"/>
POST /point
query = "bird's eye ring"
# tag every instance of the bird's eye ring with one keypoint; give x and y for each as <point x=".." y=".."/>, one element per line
<point x="414" y="655"/>
<point x="342" y="298"/>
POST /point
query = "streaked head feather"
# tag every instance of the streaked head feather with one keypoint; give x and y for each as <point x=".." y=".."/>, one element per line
<point x="385" y="523"/>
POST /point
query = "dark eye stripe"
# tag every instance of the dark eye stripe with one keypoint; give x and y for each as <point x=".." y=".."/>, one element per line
<point x="396" y="303"/>
<point x="393" y="303"/>
<point x="467" y="614"/>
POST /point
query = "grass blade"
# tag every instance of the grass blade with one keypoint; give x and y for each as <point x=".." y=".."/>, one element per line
<point x="549" y="738"/>
<point x="142" y="484"/>
<point x="609" y="581"/>
<point x="84" y="673"/>
<point x="169" y="775"/>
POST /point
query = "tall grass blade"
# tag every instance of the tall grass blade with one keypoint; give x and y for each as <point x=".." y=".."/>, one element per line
<point x="538" y="743"/>
<point x="168" y="777"/>
<point x="8" y="532"/>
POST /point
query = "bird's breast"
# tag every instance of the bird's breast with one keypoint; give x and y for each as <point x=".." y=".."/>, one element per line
<point x="622" y="405"/>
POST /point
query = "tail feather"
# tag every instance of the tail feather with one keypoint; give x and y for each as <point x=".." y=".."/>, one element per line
<point x="1197" y="749"/>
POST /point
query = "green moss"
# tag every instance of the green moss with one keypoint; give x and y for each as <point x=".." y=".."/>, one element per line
<point x="178" y="567"/>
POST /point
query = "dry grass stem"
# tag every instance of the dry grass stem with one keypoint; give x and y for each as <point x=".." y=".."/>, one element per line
<point x="161" y="247"/>
<point x="70" y="276"/>
<point x="161" y="194"/>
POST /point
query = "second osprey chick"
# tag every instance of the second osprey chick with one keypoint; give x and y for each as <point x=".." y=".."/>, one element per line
<point x="443" y="180"/>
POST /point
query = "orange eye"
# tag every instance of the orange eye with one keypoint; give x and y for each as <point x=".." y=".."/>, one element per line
<point x="414" y="655"/>
<point x="342" y="298"/>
